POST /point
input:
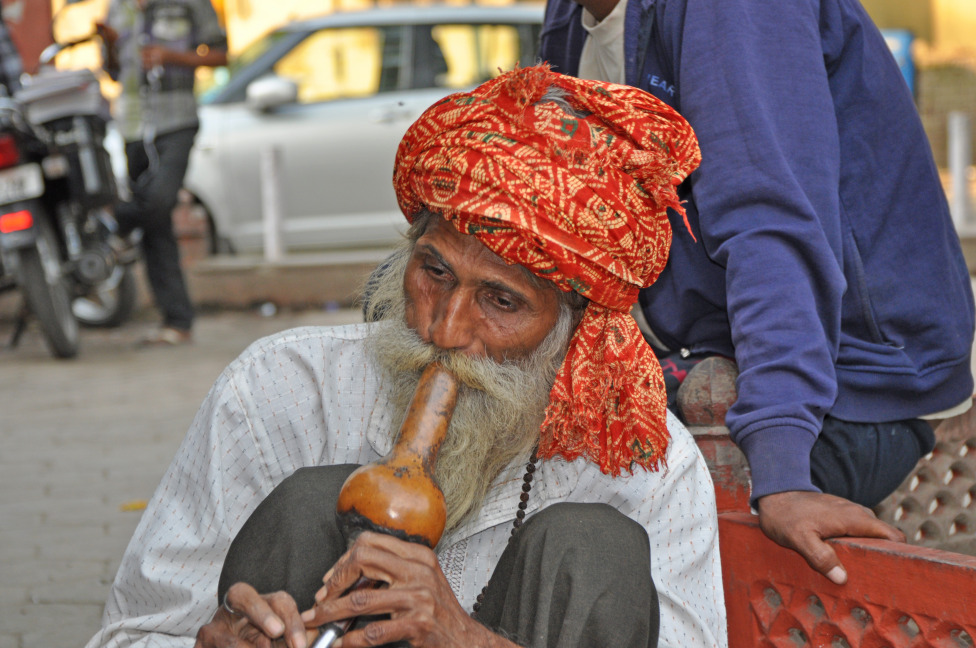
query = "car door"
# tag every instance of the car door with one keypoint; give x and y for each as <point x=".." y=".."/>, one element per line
<point x="335" y="143"/>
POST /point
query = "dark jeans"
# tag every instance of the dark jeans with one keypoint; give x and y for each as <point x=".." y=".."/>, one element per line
<point x="861" y="462"/>
<point x="574" y="575"/>
<point x="866" y="462"/>
<point x="156" y="175"/>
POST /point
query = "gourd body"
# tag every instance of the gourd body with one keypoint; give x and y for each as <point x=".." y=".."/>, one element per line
<point x="398" y="494"/>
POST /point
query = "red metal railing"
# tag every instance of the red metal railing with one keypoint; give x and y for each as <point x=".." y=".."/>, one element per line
<point x="897" y="595"/>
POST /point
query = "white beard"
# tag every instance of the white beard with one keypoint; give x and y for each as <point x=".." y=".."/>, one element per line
<point x="500" y="406"/>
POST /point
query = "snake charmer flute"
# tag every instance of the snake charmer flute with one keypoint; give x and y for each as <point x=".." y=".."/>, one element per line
<point x="397" y="494"/>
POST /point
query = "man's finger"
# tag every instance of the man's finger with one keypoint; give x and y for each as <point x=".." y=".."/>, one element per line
<point x="869" y="526"/>
<point x="245" y="599"/>
<point x="218" y="633"/>
<point x="284" y="606"/>
<point x="378" y="557"/>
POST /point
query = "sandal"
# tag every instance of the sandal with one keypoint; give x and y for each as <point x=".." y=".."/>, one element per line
<point x="167" y="336"/>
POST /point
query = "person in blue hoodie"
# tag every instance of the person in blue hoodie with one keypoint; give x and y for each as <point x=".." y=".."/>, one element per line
<point x="821" y="254"/>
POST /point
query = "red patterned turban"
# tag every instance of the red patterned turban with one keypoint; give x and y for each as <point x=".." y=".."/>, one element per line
<point x="580" y="201"/>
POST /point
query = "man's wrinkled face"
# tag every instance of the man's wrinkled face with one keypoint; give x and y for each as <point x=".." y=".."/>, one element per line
<point x="461" y="296"/>
<point x="502" y="334"/>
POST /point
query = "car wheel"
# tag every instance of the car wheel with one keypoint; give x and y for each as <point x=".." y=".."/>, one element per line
<point x="216" y="244"/>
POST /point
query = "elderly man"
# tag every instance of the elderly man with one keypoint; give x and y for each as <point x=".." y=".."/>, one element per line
<point x="579" y="511"/>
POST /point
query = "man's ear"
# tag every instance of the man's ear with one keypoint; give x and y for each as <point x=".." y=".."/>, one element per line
<point x="578" y="317"/>
<point x="579" y="307"/>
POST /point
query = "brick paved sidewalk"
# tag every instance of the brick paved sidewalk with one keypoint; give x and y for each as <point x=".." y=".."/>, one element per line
<point x="82" y="440"/>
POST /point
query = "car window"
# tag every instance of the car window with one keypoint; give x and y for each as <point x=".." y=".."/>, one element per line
<point x="342" y="63"/>
<point x="476" y="53"/>
<point x="240" y="63"/>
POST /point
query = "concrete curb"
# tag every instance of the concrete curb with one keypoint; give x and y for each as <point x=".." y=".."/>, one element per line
<point x="297" y="281"/>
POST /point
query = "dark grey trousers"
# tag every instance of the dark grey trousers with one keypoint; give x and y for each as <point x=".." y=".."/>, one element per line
<point x="575" y="575"/>
<point x="155" y="189"/>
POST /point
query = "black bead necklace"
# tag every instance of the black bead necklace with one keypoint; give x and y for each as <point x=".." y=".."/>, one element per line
<point x="519" y="517"/>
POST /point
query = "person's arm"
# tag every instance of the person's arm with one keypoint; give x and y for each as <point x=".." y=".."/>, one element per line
<point x="163" y="591"/>
<point x="155" y="55"/>
<point x="676" y="506"/>
<point x="210" y="50"/>
<point x="11" y="66"/>
<point x="753" y="84"/>
<point x="236" y="451"/>
<point x="562" y="37"/>
<point x="110" y="50"/>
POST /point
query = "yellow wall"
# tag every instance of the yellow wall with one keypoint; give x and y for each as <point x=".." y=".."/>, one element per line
<point x="955" y="26"/>
<point x="946" y="26"/>
<point x="77" y="20"/>
<point x="74" y="22"/>
<point x="246" y="20"/>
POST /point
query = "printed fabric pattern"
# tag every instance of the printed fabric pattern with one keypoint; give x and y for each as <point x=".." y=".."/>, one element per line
<point x="580" y="198"/>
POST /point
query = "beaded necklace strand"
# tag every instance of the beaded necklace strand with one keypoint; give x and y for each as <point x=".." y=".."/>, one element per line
<point x="519" y="517"/>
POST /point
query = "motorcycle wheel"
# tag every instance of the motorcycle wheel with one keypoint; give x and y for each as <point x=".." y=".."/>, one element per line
<point x="48" y="293"/>
<point x="110" y="303"/>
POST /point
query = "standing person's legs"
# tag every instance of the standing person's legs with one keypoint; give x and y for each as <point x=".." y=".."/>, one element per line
<point x="157" y="175"/>
<point x="866" y="462"/>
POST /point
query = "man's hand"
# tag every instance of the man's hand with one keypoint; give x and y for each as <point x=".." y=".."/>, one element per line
<point x="423" y="610"/>
<point x="156" y="55"/>
<point x="802" y="521"/>
<point x="254" y="621"/>
<point x="106" y="33"/>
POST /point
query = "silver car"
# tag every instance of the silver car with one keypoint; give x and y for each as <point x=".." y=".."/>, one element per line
<point x="333" y="96"/>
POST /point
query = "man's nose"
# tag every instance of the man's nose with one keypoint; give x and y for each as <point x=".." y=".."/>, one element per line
<point x="452" y="326"/>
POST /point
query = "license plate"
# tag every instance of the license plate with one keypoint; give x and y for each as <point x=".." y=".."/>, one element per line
<point x="21" y="183"/>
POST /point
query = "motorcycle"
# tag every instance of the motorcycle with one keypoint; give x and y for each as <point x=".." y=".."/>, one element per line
<point x="57" y="188"/>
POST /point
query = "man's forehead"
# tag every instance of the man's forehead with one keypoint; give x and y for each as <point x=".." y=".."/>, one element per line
<point x="446" y="231"/>
<point x="443" y="238"/>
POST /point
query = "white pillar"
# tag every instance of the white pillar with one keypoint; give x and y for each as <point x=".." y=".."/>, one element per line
<point x="271" y="203"/>
<point x="960" y="159"/>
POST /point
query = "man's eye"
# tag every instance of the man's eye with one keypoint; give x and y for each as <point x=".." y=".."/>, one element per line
<point x="504" y="303"/>
<point x="435" y="271"/>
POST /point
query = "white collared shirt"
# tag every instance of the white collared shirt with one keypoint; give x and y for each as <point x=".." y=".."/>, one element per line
<point x="309" y="397"/>
<point x="602" y="58"/>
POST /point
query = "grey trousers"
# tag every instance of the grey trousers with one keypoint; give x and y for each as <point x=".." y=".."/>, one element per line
<point x="574" y="575"/>
<point x="154" y="195"/>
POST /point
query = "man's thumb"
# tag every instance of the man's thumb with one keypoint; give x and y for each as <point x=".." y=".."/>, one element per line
<point x="837" y="574"/>
<point x="824" y="560"/>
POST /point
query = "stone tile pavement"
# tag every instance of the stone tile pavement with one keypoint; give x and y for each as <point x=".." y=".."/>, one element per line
<point x="82" y="443"/>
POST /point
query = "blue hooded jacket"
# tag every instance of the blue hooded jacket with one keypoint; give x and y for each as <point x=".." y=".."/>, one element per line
<point x="826" y="261"/>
